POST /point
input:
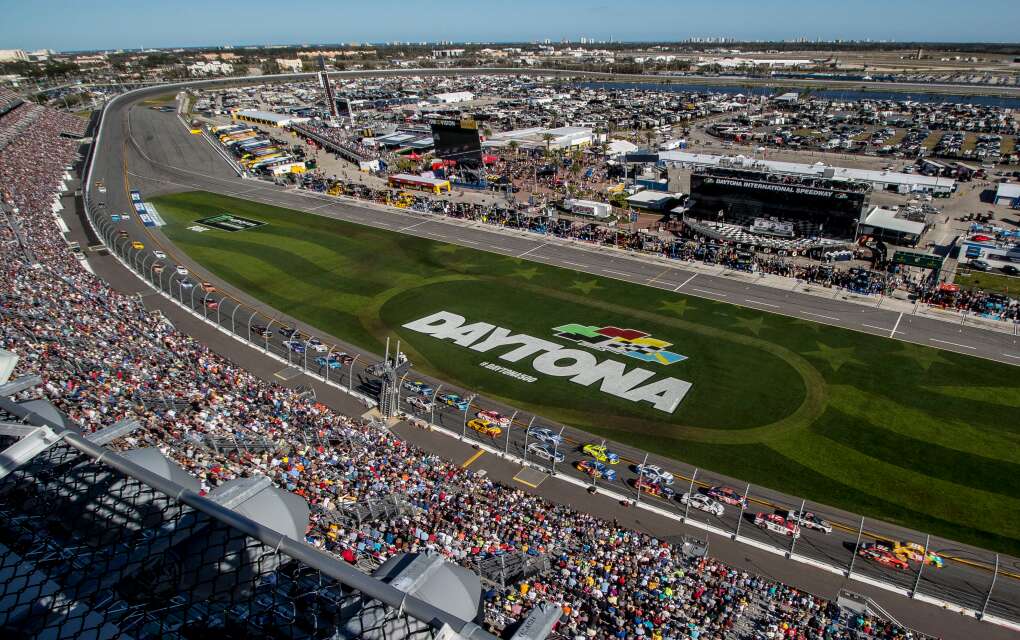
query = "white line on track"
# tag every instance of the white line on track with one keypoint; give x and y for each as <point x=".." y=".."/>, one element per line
<point x="818" y="315"/>
<point x="470" y="242"/>
<point x="764" y="304"/>
<point x="412" y="226"/>
<point x="896" y="326"/>
<point x="535" y="248"/>
<point x="955" y="344"/>
<point x="711" y="293"/>
<point x="1010" y="355"/>
<point x="871" y="326"/>
<point x="574" y="264"/>
<point x="680" y="286"/>
<point x="619" y="273"/>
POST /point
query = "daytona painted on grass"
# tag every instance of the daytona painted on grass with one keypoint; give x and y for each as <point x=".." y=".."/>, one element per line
<point x="913" y="435"/>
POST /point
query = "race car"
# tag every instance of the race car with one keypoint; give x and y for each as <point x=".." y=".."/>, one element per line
<point x="187" y="284"/>
<point x="653" y="489"/>
<point x="100" y="187"/>
<point x="212" y="304"/>
<point x="419" y="387"/>
<point x="727" y="495"/>
<point x="137" y="245"/>
<point x="331" y="363"/>
<point x="343" y="357"/>
<point x="545" y="451"/>
<point x="260" y="330"/>
<point x="453" y="400"/>
<point x="159" y="254"/>
<point x="316" y="345"/>
<point x="115" y="218"/>
<point x="601" y="453"/>
<point x="914" y="552"/>
<point x="777" y="524"/>
<point x="287" y="331"/>
<point x="494" y="416"/>
<point x="596" y="469"/>
<point x="158" y="267"/>
<point x="654" y="473"/>
<point x="208" y="287"/>
<point x="420" y="403"/>
<point x="122" y="234"/>
<point x="294" y="346"/>
<point x="883" y="557"/>
<point x="809" y="520"/>
<point x="485" y="427"/>
<point x="702" y="502"/>
<point x="545" y="435"/>
<point x="181" y="270"/>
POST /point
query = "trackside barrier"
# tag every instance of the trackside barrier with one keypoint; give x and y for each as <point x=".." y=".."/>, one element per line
<point x="121" y="251"/>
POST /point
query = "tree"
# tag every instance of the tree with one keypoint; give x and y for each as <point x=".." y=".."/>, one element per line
<point x="514" y="147"/>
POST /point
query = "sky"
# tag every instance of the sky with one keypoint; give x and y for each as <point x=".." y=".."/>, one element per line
<point x="107" y="24"/>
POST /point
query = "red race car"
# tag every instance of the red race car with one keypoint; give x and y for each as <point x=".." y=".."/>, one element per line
<point x="884" y="558"/>
<point x="727" y="495"/>
<point x="652" y="488"/>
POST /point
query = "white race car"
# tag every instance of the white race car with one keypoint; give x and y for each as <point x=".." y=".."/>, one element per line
<point x="703" y="503"/>
<point x="419" y="403"/>
<point x="494" y="416"/>
<point x="159" y="254"/>
<point x="181" y="270"/>
<point x="777" y="524"/>
<point x="810" y="521"/>
<point x="655" y="473"/>
<point x="545" y="435"/>
<point x="316" y="345"/>
<point x="545" y="451"/>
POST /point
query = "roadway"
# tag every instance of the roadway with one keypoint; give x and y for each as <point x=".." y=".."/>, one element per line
<point x="153" y="152"/>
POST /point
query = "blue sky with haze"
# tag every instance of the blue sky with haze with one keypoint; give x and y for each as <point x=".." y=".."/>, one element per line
<point x="100" y="24"/>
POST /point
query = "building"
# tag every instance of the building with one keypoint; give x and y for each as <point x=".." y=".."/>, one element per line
<point x="879" y="180"/>
<point x="447" y="53"/>
<point x="1008" y="194"/>
<point x="451" y="98"/>
<point x="892" y="226"/>
<point x="812" y="206"/>
<point x="210" y="68"/>
<point x="542" y="137"/>
<point x="292" y="65"/>
<point x="13" y="55"/>
<point x="652" y="200"/>
<point x="267" y="118"/>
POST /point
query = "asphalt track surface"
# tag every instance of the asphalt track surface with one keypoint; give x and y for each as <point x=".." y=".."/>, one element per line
<point x="151" y="151"/>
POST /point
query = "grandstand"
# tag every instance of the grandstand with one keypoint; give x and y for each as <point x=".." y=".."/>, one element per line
<point x="100" y="534"/>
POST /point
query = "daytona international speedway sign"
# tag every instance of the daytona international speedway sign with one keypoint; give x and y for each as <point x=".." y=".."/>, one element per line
<point x="580" y="367"/>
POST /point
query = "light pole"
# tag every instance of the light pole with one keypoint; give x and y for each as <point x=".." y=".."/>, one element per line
<point x="743" y="506"/>
<point x="556" y="449"/>
<point x="467" y="406"/>
<point x="250" y="320"/>
<point x="857" y="546"/>
<point x="920" y="568"/>
<point x="690" y="494"/>
<point x="432" y="407"/>
<point x="800" y="518"/>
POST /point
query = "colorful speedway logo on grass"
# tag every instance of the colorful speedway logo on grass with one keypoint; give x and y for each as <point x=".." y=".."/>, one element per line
<point x="625" y="342"/>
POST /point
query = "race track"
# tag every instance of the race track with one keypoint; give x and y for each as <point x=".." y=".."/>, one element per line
<point x="153" y="152"/>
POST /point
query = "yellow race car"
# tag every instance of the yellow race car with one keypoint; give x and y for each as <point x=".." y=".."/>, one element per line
<point x="601" y="453"/>
<point x="137" y="245"/>
<point x="485" y="427"/>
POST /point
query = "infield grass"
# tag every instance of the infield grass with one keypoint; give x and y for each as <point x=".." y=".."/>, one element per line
<point x="913" y="435"/>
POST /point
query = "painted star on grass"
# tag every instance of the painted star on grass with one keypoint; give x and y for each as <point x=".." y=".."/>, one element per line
<point x="678" y="307"/>
<point x="814" y="326"/>
<point x="925" y="357"/>
<point x="751" y="325"/>
<point x="585" y="287"/>
<point x="527" y="274"/>
<point x="835" y="356"/>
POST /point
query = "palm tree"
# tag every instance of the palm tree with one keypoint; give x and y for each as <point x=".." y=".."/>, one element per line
<point x="547" y="138"/>
<point x="514" y="147"/>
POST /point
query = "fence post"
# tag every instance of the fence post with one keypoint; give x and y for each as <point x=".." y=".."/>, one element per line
<point x="556" y="449"/>
<point x="640" y="478"/>
<point x="743" y="506"/>
<point x="250" y="320"/>
<point x="988" y="597"/>
<point x="857" y="546"/>
<point x="350" y="383"/>
<point x="800" y="518"/>
<point x="506" y="450"/>
<point x="467" y="407"/>
<point x="432" y="408"/>
<point x="690" y="494"/>
<point x="924" y="557"/>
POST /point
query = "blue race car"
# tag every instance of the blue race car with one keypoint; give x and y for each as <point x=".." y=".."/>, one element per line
<point x="453" y="400"/>
<point x="295" y="346"/>
<point x="419" y="387"/>
<point x="332" y="363"/>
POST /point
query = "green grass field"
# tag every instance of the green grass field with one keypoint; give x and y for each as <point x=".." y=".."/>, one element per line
<point x="913" y="435"/>
<point x="987" y="281"/>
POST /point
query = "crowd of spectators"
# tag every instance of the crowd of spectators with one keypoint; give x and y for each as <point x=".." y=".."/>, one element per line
<point x="339" y="137"/>
<point x="104" y="357"/>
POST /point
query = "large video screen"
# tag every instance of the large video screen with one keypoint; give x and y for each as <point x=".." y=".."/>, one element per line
<point x="458" y="141"/>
